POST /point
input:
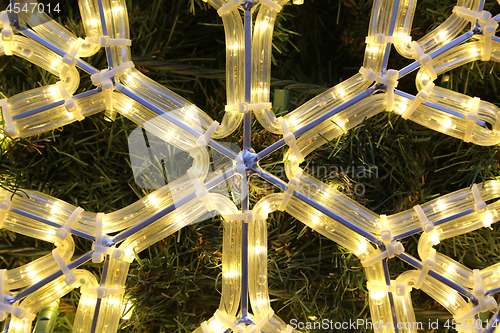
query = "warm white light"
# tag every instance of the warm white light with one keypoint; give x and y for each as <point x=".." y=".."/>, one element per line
<point x="127" y="310"/>
<point x="447" y="123"/>
<point x="55" y="208"/>
<point x="216" y="326"/>
<point x="377" y="294"/>
<point x="443" y="34"/>
<point x="152" y="200"/>
<point x="434" y="237"/>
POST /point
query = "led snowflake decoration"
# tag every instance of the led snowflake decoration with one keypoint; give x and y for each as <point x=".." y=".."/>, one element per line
<point x="121" y="88"/>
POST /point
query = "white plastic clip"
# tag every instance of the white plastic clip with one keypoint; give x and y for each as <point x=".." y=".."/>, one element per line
<point x="100" y="249"/>
<point x="203" y="139"/>
<point x="106" y="41"/>
<point x="471" y="119"/>
<point x="5" y="205"/>
<point x="489" y="26"/>
<point x="69" y="60"/>
<point x="427" y="225"/>
<point x="399" y="289"/>
<point x="245" y="107"/>
<point x="102" y="292"/>
<point x="424" y="59"/>
<point x="248" y="216"/>
<point x="391" y="248"/>
<point x="69" y="277"/>
<point x="488" y="32"/>
<point x="63" y="232"/>
<point x="422" y="97"/>
<point x="69" y="102"/>
<point x="205" y="328"/>
<point x="484" y="302"/>
<point x="9" y="125"/>
<point x="480" y="206"/>
<point x="390" y="81"/>
<point x="7" y="33"/>
<point x="201" y="192"/>
<point x="290" y="139"/>
<point x="483" y="16"/>
<point x="379" y="39"/>
<point x="235" y="3"/>
<point x="230" y="5"/>
<point x="5" y="308"/>
<point x="271" y="4"/>
<point x="427" y="265"/>
<point x="260" y="325"/>
<point x="103" y="79"/>
<point x="224" y="319"/>
<point x="292" y="186"/>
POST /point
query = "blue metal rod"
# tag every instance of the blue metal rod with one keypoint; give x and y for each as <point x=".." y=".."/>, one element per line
<point x="37" y="110"/>
<point x="246" y="147"/>
<point x="481" y="5"/>
<point x="437" y="276"/>
<point x="437" y="107"/>
<point x="446" y="219"/>
<point x="153" y="218"/>
<point x="53" y="224"/>
<point x="7" y="323"/>
<point x="395" y="10"/>
<point x="492" y="291"/>
<point x="99" y="300"/>
<point x="53" y="105"/>
<point x="317" y="121"/>
<point x="215" y="145"/>
<point x="321" y="208"/>
<point x="78" y="262"/>
<point x="214" y="182"/>
<point x="391" y="298"/>
<point x="411" y="67"/>
<point x="493" y="323"/>
<point x="109" y="56"/>
<point x="79" y="62"/>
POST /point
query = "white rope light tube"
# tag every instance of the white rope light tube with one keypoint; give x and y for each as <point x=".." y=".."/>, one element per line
<point x="373" y="239"/>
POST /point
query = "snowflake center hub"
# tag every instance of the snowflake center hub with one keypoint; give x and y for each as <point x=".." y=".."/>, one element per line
<point x="250" y="160"/>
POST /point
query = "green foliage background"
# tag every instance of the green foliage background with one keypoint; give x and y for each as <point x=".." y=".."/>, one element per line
<point x="175" y="285"/>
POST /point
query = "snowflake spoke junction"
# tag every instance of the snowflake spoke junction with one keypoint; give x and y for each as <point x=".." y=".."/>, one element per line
<point x="355" y="227"/>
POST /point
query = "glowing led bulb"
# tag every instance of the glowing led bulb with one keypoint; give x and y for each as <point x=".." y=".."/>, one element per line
<point x="377" y="294"/>
<point x="362" y="249"/>
<point x="127" y="310"/>
<point x="488" y="219"/>
<point x="152" y="200"/>
<point x="53" y="91"/>
<point x="434" y="237"/>
<point x="443" y="34"/>
<point x="447" y="123"/>
<point x="55" y="208"/>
